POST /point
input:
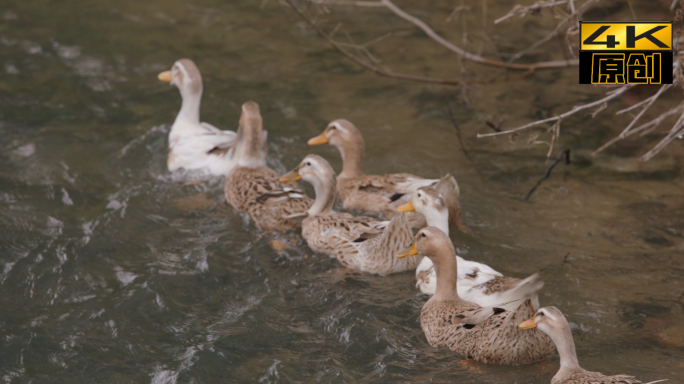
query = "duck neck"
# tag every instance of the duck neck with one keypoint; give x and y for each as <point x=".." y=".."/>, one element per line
<point x="325" y="196"/>
<point x="437" y="219"/>
<point x="190" y="110"/>
<point x="247" y="147"/>
<point x="566" y="349"/>
<point x="447" y="273"/>
<point x="352" y="160"/>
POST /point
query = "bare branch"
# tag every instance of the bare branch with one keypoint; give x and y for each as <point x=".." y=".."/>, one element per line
<point x="651" y="99"/>
<point x="561" y="26"/>
<point x="370" y="67"/>
<point x="523" y="11"/>
<point x="469" y="56"/>
<point x="644" y="127"/>
<point x="647" y="104"/>
<point x="676" y="131"/>
<point x="598" y="103"/>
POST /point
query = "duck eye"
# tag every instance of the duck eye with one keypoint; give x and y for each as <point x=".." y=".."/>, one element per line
<point x="423" y="234"/>
<point x="308" y="163"/>
<point x="332" y="127"/>
<point x="541" y="313"/>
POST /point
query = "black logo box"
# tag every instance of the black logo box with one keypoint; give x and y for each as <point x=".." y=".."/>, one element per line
<point x="665" y="64"/>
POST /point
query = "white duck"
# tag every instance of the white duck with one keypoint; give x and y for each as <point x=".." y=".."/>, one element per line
<point x="477" y="282"/>
<point x="194" y="145"/>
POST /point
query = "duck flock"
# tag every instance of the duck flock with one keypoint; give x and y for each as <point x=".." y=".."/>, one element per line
<point x="474" y="310"/>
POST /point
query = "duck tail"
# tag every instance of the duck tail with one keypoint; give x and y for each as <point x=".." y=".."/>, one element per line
<point x="525" y="289"/>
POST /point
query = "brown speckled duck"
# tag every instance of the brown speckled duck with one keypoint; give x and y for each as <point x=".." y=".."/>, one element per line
<point x="253" y="187"/>
<point x="380" y="193"/>
<point x="360" y="243"/>
<point x="552" y="322"/>
<point x="486" y="334"/>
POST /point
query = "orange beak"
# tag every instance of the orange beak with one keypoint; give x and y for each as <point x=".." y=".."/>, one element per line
<point x="528" y="324"/>
<point x="320" y="139"/>
<point x="293" y="175"/>
<point x="408" y="207"/>
<point x="165" y="76"/>
<point x="408" y="252"/>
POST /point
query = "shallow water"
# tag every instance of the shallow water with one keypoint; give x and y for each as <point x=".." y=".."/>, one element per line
<point x="115" y="271"/>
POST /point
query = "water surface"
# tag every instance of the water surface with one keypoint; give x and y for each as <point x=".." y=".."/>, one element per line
<point x="115" y="271"/>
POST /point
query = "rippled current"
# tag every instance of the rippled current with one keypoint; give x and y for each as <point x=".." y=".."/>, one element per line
<point x="114" y="271"/>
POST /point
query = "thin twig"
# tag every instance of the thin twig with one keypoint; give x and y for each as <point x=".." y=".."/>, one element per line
<point x="644" y="127"/>
<point x="558" y="158"/>
<point x="677" y="130"/>
<point x="523" y="11"/>
<point x="374" y="69"/>
<point x="561" y="26"/>
<point x="598" y="103"/>
<point x="469" y="56"/>
<point x="458" y="131"/>
<point x="643" y="110"/>
<point x="628" y="131"/>
<point x="631" y="8"/>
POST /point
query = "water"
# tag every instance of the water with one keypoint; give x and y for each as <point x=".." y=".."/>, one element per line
<point x="115" y="271"/>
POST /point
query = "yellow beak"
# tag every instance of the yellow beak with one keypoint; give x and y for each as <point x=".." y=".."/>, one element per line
<point x="165" y="76"/>
<point x="408" y="207"/>
<point x="528" y="324"/>
<point x="409" y="251"/>
<point x="293" y="175"/>
<point x="320" y="139"/>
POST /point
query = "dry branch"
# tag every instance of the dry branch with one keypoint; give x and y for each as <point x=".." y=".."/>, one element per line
<point x="563" y="25"/>
<point x="536" y="7"/>
<point x="565" y="153"/>
<point x="470" y="56"/>
<point x="368" y="66"/>
<point x="598" y="103"/>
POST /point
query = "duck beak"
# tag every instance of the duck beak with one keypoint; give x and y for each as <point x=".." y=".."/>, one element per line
<point x="408" y="251"/>
<point x="529" y="324"/>
<point x="408" y="207"/>
<point x="293" y="175"/>
<point x="320" y="139"/>
<point x="165" y="76"/>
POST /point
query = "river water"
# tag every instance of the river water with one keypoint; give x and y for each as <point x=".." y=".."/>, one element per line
<point x="114" y="271"/>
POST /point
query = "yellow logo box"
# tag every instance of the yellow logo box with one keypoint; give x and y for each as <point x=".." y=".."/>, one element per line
<point x="626" y="36"/>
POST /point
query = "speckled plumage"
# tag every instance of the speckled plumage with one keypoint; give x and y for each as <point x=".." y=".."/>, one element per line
<point x="360" y="243"/>
<point x="268" y="201"/>
<point x="335" y="234"/>
<point x="379" y="193"/>
<point x="254" y="188"/>
<point x="486" y="334"/>
<point x="496" y="340"/>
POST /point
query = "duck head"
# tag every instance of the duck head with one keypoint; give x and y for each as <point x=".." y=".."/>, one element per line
<point x="318" y="172"/>
<point x="433" y="243"/>
<point x="553" y="323"/>
<point x="348" y="140"/>
<point x="429" y="202"/>
<point x="184" y="75"/>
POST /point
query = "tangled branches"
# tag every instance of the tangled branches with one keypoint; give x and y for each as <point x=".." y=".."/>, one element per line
<point x="568" y="12"/>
